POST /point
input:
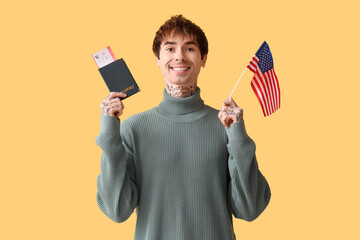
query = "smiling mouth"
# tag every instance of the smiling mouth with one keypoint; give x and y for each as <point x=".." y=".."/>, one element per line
<point x="180" y="69"/>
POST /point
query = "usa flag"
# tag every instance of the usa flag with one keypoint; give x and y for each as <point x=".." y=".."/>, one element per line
<point x="265" y="83"/>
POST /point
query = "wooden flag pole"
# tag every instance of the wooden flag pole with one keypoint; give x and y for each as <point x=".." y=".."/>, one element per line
<point x="237" y="83"/>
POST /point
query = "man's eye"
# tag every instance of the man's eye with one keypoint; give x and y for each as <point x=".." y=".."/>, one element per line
<point x="191" y="49"/>
<point x="169" y="49"/>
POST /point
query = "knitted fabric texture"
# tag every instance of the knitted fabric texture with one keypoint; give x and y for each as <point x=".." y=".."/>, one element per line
<point x="181" y="169"/>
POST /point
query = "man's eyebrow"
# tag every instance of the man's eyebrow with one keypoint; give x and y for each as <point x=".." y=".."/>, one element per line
<point x="173" y="43"/>
<point x="168" y="43"/>
<point x="191" y="42"/>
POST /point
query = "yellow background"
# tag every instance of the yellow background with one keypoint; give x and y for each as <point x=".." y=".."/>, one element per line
<point x="51" y="91"/>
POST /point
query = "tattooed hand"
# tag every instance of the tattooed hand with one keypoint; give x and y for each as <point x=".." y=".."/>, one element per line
<point x="230" y="112"/>
<point x="112" y="105"/>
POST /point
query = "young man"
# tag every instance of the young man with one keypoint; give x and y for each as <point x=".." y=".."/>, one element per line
<point x="186" y="166"/>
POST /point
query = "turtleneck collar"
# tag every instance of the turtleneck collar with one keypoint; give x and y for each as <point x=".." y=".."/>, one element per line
<point x="182" y="109"/>
<point x="181" y="105"/>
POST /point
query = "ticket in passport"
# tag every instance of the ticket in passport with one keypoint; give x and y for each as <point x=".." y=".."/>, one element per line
<point x="104" y="57"/>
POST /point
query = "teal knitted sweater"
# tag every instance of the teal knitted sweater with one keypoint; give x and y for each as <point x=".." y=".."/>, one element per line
<point x="183" y="171"/>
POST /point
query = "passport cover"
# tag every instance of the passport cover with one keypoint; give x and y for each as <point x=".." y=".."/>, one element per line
<point x="118" y="78"/>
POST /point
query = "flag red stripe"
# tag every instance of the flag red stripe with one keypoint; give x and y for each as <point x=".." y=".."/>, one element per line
<point x="262" y="91"/>
<point x="277" y="88"/>
<point x="276" y="85"/>
<point x="258" y="96"/>
<point x="266" y="92"/>
<point x="271" y="86"/>
<point x="271" y="98"/>
<point x="252" y="66"/>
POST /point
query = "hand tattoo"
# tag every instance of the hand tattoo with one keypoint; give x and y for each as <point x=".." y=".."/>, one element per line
<point x="230" y="112"/>
<point x="111" y="107"/>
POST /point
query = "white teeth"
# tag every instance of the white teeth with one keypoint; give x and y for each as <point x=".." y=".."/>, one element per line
<point x="180" y="69"/>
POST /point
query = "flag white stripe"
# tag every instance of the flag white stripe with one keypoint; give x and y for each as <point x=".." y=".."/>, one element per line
<point x="260" y="95"/>
<point x="265" y="78"/>
<point x="252" y="68"/>
<point x="262" y="92"/>
<point x="277" y="88"/>
<point x="271" y="90"/>
<point x="266" y="89"/>
<point x="253" y="65"/>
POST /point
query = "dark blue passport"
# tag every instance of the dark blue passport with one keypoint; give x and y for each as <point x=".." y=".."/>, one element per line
<point x="118" y="78"/>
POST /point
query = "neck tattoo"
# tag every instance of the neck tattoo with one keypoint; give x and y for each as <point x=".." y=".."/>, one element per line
<point x="181" y="91"/>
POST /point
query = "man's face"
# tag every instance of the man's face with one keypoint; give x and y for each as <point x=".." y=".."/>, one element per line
<point x="180" y="60"/>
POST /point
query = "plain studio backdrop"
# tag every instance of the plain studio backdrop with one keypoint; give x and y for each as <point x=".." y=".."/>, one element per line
<point x="51" y="91"/>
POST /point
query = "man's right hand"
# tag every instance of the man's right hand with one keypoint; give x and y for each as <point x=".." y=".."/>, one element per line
<point x="112" y="105"/>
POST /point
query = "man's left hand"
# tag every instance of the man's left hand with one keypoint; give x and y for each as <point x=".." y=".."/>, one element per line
<point x="230" y="113"/>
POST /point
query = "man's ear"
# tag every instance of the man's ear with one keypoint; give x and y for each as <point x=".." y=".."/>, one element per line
<point x="157" y="61"/>
<point x="203" y="61"/>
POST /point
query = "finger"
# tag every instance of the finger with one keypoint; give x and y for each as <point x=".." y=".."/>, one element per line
<point x="116" y="94"/>
<point x="228" y="119"/>
<point x="118" y="114"/>
<point x="241" y="114"/>
<point x="227" y="108"/>
<point x="114" y="110"/>
<point x="222" y="117"/>
<point x="104" y="105"/>
<point x="232" y="110"/>
<point x="233" y="103"/>
<point x="117" y="106"/>
<point x="226" y="101"/>
<point x="229" y="102"/>
<point x="121" y="111"/>
<point x="115" y="100"/>
<point x="219" y="114"/>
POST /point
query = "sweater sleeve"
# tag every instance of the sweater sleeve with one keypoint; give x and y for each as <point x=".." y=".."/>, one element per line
<point x="117" y="194"/>
<point x="248" y="190"/>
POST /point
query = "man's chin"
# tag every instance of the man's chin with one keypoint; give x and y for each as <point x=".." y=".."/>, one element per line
<point x="181" y="82"/>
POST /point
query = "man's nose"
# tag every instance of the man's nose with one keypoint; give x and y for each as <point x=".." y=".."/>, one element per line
<point x="180" y="55"/>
